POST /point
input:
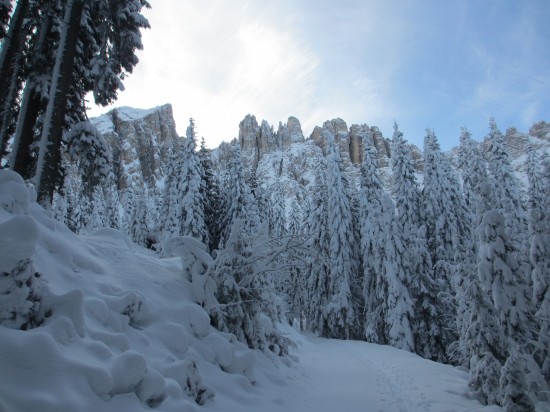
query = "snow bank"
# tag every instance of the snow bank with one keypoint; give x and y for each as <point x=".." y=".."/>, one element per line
<point x="95" y="322"/>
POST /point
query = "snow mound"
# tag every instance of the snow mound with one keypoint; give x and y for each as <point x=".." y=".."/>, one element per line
<point x="14" y="196"/>
<point x="95" y="322"/>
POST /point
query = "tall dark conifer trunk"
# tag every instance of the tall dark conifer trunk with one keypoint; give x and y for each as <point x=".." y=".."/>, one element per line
<point x="10" y="59"/>
<point x="32" y="105"/>
<point x="52" y="132"/>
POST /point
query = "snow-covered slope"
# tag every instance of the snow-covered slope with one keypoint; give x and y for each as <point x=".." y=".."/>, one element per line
<point x="112" y="327"/>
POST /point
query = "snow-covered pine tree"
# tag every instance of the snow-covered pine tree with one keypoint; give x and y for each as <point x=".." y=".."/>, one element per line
<point x="448" y="238"/>
<point x="474" y="173"/>
<point x="340" y="313"/>
<point x="444" y="213"/>
<point x="238" y="200"/>
<point x="276" y="224"/>
<point x="120" y="36"/>
<point x="138" y="220"/>
<point x="405" y="190"/>
<point x="169" y="209"/>
<point x="189" y="190"/>
<point x="500" y="273"/>
<point x="297" y="283"/>
<point x="482" y="343"/>
<point x="356" y="274"/>
<point x="211" y="196"/>
<point x="539" y="231"/>
<point x="506" y="202"/>
<point x="12" y="61"/>
<point x="20" y="285"/>
<point x="430" y="324"/>
<point x="113" y="207"/>
<point x="372" y="246"/>
<point x="93" y="214"/>
<point x="71" y="191"/>
<point x="54" y="121"/>
<point x="277" y="212"/>
<point x="47" y="20"/>
<point x="515" y="394"/>
<point x="239" y="302"/>
<point x="398" y="305"/>
<point x="90" y="152"/>
<point x="244" y="290"/>
<point x="92" y="32"/>
<point x="401" y="261"/>
<point x="317" y="264"/>
<point x="5" y="11"/>
<point x="473" y="169"/>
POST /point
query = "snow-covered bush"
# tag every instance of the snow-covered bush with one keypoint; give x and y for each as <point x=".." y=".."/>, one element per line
<point x="20" y="285"/>
<point x="91" y="153"/>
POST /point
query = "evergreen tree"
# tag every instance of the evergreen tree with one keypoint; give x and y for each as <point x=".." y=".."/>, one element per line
<point x="5" y="10"/>
<point x="431" y="332"/>
<point x="509" y="215"/>
<point x="191" y="214"/>
<point x="169" y="211"/>
<point x="12" y="59"/>
<point x="402" y="264"/>
<point x="20" y="289"/>
<point x="514" y="390"/>
<point x="539" y="230"/>
<point x="42" y="49"/>
<point x="211" y="196"/>
<point x="399" y="304"/>
<point x="372" y="246"/>
<point x="296" y="289"/>
<point x="113" y="206"/>
<point x="499" y="273"/>
<point x="445" y="213"/>
<point x="474" y="174"/>
<point x="92" y="211"/>
<point x="484" y="378"/>
<point x="483" y="343"/>
<point x="138" y="221"/>
<point x="83" y="34"/>
<point x="276" y="227"/>
<point x="239" y="300"/>
<point x="340" y="313"/>
<point x="317" y="267"/>
<point x="90" y="152"/>
<point x="238" y="200"/>
<point x="448" y="240"/>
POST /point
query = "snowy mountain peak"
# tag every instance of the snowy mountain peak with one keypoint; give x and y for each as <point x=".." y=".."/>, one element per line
<point x="140" y="140"/>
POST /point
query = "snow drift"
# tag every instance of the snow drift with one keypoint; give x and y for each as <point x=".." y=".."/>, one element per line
<point x="95" y="322"/>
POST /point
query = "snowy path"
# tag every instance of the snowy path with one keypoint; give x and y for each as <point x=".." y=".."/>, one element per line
<point x="334" y="375"/>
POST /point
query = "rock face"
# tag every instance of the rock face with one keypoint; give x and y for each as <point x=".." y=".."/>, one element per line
<point x="350" y="141"/>
<point x="141" y="139"/>
<point x="140" y="142"/>
<point x="256" y="141"/>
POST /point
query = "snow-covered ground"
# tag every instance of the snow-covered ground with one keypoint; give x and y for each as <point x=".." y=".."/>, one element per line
<point x="334" y="375"/>
<point x="120" y="332"/>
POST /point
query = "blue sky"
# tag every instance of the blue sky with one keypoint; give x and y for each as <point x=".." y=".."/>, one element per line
<point x="423" y="63"/>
